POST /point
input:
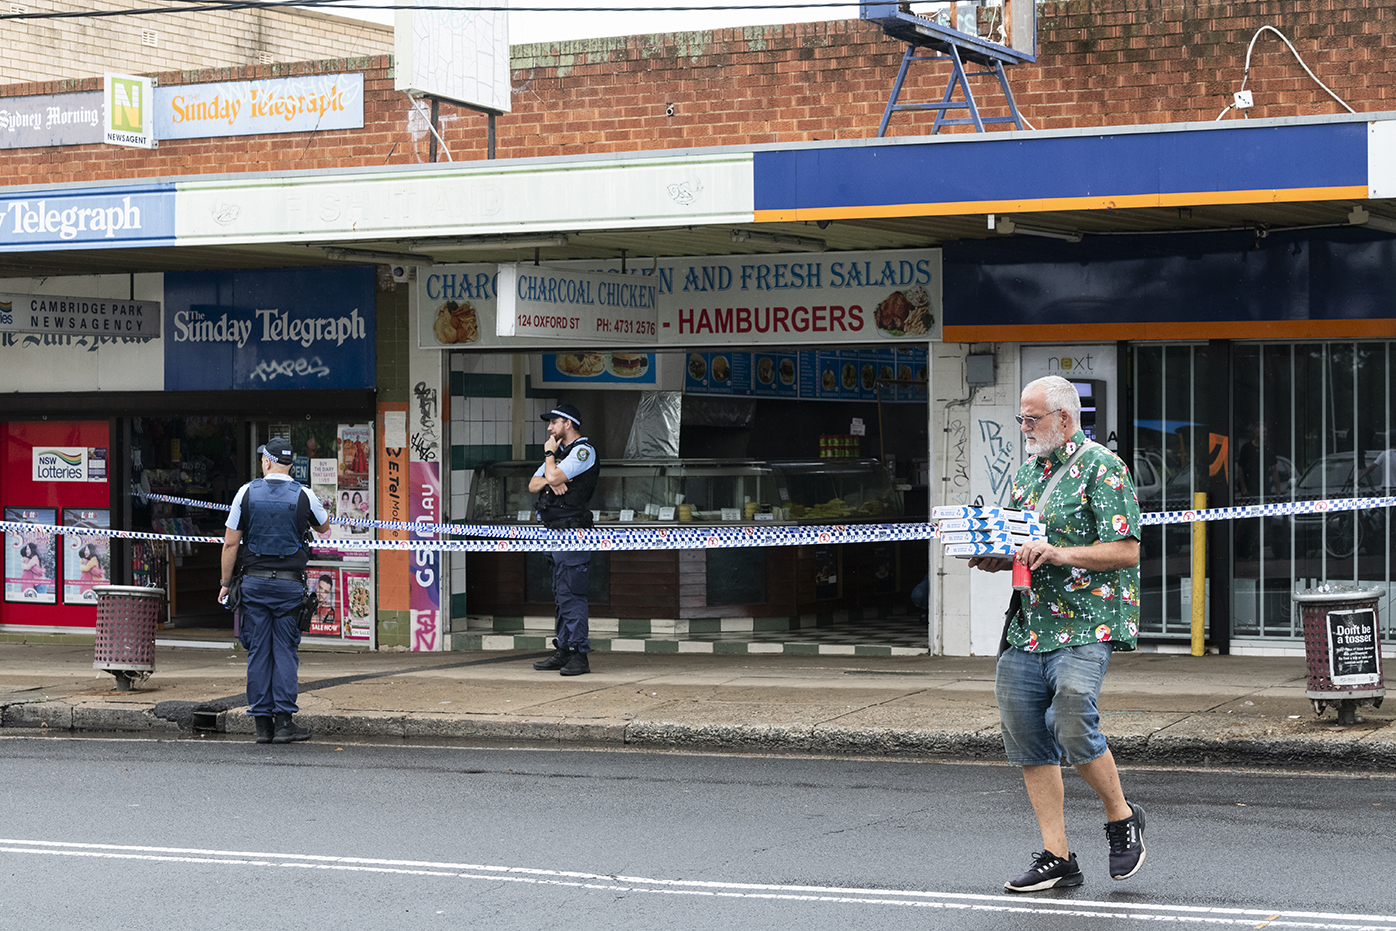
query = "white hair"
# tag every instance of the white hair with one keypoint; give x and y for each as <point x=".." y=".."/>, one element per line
<point x="1059" y="394"/>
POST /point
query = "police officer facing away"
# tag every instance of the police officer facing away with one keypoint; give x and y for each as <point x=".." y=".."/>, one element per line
<point x="564" y="484"/>
<point x="268" y="522"/>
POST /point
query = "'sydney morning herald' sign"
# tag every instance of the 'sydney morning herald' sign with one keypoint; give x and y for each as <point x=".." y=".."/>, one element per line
<point x="190" y="111"/>
<point x="80" y="316"/>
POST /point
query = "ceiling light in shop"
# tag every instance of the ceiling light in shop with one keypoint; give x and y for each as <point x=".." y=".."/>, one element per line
<point x="782" y="240"/>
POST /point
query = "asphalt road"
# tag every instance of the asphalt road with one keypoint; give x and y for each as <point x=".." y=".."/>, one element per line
<point x="213" y="834"/>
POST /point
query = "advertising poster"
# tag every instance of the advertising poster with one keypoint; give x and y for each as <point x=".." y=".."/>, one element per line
<point x="593" y="368"/>
<point x="86" y="557"/>
<point x="324" y="581"/>
<point x="355" y="447"/>
<point x="324" y="486"/>
<point x="31" y="558"/>
<point x="425" y="485"/>
<point x="356" y="609"/>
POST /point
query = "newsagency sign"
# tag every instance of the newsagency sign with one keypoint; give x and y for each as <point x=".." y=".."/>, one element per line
<point x="78" y="316"/>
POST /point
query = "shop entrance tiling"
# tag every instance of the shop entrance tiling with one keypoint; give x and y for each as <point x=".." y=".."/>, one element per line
<point x="882" y="636"/>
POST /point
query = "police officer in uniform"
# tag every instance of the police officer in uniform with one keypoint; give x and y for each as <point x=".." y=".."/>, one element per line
<point x="268" y="523"/>
<point x="564" y="484"/>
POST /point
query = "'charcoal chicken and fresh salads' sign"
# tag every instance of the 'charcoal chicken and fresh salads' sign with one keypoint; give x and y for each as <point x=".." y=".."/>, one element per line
<point x="778" y="300"/>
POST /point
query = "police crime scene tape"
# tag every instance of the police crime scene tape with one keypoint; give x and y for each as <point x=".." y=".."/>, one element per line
<point x="519" y="538"/>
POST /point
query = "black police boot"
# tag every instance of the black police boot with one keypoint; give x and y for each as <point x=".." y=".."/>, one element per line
<point x="286" y="731"/>
<point x="576" y="665"/>
<point x="266" y="730"/>
<point x="556" y="661"/>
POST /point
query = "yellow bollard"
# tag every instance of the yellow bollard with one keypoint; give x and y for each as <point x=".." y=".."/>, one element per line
<point x="1199" y="575"/>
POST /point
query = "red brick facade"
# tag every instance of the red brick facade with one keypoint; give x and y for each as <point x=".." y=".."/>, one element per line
<point x="1101" y="62"/>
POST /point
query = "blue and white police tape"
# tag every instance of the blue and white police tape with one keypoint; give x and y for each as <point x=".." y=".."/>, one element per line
<point x="1274" y="509"/>
<point x="660" y="538"/>
<point x="772" y="534"/>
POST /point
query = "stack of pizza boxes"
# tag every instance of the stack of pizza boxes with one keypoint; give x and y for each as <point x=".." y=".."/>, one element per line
<point x="985" y="531"/>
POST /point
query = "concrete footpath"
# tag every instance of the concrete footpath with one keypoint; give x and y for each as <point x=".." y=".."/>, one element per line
<point x="1157" y="708"/>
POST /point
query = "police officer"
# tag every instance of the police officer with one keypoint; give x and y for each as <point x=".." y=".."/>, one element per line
<point x="564" y="484"/>
<point x="268" y="522"/>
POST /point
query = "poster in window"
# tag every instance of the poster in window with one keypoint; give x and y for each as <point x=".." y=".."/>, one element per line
<point x="357" y="608"/>
<point x="86" y="556"/>
<point x="325" y="581"/>
<point x="31" y="558"/>
<point x="322" y="486"/>
<point x="355" y="446"/>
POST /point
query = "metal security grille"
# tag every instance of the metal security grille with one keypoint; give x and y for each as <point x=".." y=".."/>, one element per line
<point x="1310" y="422"/>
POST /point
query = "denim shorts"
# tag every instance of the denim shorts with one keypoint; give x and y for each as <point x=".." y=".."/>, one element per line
<point x="1047" y="704"/>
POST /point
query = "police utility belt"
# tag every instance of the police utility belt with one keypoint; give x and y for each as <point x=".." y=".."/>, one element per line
<point x="580" y="522"/>
<point x="289" y="575"/>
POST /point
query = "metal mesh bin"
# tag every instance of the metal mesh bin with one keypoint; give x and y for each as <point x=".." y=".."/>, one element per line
<point x="127" y="618"/>
<point x="1342" y="646"/>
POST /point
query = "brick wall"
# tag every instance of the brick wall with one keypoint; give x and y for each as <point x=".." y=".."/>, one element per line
<point x="1101" y="62"/>
<point x="55" y="49"/>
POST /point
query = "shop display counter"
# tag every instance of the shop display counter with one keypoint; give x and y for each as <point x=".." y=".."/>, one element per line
<point x="735" y="582"/>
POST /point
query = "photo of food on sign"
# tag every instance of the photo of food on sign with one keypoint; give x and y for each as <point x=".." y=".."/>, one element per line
<point x="905" y="313"/>
<point x="765" y="370"/>
<point x="580" y="364"/>
<point x="721" y="369"/>
<point x="697" y="367"/>
<point x="850" y="375"/>
<point x="787" y="372"/>
<point x="625" y="364"/>
<point x="456" y="322"/>
<point x="869" y="378"/>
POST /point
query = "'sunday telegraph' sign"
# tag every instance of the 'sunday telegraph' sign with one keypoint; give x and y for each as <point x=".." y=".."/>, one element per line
<point x="270" y="329"/>
<point x="245" y="108"/>
<point x="78" y="316"/>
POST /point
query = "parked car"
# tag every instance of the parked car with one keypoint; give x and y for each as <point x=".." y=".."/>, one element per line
<point x="1342" y="533"/>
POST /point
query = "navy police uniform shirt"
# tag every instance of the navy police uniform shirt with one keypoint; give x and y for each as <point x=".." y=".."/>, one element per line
<point x="577" y="461"/>
<point x="280" y="555"/>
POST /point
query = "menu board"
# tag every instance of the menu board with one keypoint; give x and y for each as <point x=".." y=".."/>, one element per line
<point x="822" y="375"/>
<point x="775" y="374"/>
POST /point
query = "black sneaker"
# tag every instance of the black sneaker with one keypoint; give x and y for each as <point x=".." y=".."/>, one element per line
<point x="556" y="661"/>
<point x="1048" y="871"/>
<point x="1126" y="844"/>
<point x="576" y="665"/>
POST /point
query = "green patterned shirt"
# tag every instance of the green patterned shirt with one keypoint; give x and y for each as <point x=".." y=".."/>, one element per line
<point x="1095" y="501"/>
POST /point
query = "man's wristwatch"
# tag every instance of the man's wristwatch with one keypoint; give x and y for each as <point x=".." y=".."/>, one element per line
<point x="549" y="452"/>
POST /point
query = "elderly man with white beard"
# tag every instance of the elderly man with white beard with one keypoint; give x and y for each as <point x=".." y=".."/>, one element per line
<point x="1082" y="605"/>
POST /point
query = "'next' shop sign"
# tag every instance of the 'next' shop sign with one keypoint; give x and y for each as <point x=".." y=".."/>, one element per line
<point x="88" y="219"/>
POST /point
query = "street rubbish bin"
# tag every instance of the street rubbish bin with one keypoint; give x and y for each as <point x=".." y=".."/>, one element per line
<point x="1342" y="644"/>
<point x="127" y="617"/>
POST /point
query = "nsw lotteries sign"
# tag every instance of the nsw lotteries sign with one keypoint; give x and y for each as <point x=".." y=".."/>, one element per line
<point x="68" y="464"/>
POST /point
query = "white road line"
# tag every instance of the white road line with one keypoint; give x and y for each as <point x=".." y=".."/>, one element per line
<point x="1178" y="914"/>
